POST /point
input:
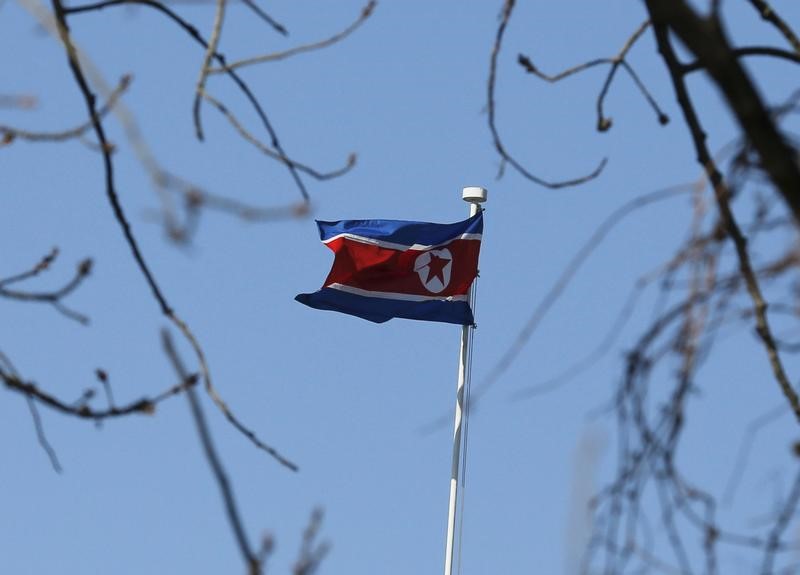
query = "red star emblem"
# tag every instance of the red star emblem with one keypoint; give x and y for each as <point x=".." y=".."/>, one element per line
<point x="436" y="268"/>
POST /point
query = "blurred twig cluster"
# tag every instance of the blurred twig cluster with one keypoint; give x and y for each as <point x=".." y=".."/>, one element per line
<point x="181" y="204"/>
<point x="736" y="270"/>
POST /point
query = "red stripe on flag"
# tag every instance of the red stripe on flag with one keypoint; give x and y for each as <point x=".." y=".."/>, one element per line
<point x="373" y="268"/>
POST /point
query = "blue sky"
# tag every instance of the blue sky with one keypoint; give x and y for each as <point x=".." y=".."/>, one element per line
<point x="345" y="399"/>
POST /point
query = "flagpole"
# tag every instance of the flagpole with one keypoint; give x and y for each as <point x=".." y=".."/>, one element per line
<point x="475" y="196"/>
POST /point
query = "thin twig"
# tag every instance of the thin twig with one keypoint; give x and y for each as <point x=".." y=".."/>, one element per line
<point x="365" y="13"/>
<point x="111" y="193"/>
<point x="707" y="40"/>
<point x="54" y="297"/>
<point x="785" y="516"/>
<point x="266" y="17"/>
<point x="603" y="122"/>
<point x="103" y="377"/>
<point x="745" y="446"/>
<point x="552" y="296"/>
<point x="248" y="212"/>
<point x="505" y="16"/>
<point x="121" y="218"/>
<point x="37" y="419"/>
<point x="40" y="266"/>
<point x="722" y="195"/>
<point x="83" y="269"/>
<point x="316" y="174"/>
<point x="211" y="49"/>
<point x="221" y="477"/>
<point x="557" y="289"/>
<point x="43" y="441"/>
<point x="8" y="133"/>
<point x="771" y="16"/>
<point x="765" y="51"/>
<point x="243" y="87"/>
<point x="311" y="553"/>
<point x="144" y="406"/>
<point x="223" y="407"/>
<point x="585" y="363"/>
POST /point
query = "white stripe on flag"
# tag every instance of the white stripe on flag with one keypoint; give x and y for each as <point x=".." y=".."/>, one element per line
<point x="392" y="295"/>
<point x="401" y="247"/>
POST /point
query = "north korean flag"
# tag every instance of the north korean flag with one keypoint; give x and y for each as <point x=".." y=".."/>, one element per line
<point x="390" y="268"/>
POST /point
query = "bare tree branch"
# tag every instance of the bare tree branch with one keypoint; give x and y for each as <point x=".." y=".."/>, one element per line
<point x="42" y="437"/>
<point x="221" y="477"/>
<point x="707" y="40"/>
<point x="277" y="26"/>
<point x="316" y="174"/>
<point x="9" y="134"/>
<point x="211" y="50"/>
<point x="366" y="11"/>
<point x="311" y="552"/>
<point x="505" y="16"/>
<point x="557" y="289"/>
<point x="603" y="122"/>
<point x="722" y="195"/>
<point x="119" y="214"/>
<point x="220" y="59"/>
<point x="774" y="540"/>
<point x="768" y="13"/>
<point x="144" y="406"/>
<point x="54" y="297"/>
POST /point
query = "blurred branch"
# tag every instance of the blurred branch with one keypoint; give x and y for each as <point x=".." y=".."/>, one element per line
<point x="18" y="101"/>
<point x="505" y="16"/>
<point x="211" y="50"/>
<point x="366" y="11"/>
<point x="119" y="214"/>
<point x="221" y="477"/>
<point x="311" y="552"/>
<point x="160" y="178"/>
<point x="651" y="425"/>
<point x="221" y="405"/>
<point x="244" y="133"/>
<point x="787" y="512"/>
<point x="8" y="368"/>
<point x="752" y="429"/>
<point x="9" y="134"/>
<point x="42" y="437"/>
<point x="196" y="198"/>
<point x="591" y="359"/>
<point x="768" y="13"/>
<point x="558" y="288"/>
<point x="722" y="195"/>
<point x="550" y="298"/>
<point x="167" y="184"/>
<point x="706" y="39"/>
<point x="219" y="58"/>
<point x="765" y="51"/>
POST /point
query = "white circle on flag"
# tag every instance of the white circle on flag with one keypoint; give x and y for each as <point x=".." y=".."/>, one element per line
<point x="433" y="268"/>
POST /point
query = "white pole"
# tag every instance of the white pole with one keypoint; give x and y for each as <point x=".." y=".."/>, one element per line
<point x="475" y="196"/>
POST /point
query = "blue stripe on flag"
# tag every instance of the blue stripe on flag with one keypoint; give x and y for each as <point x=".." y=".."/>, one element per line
<point x="402" y="232"/>
<point x="379" y="310"/>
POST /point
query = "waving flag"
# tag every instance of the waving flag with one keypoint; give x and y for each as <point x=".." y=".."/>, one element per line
<point x="389" y="268"/>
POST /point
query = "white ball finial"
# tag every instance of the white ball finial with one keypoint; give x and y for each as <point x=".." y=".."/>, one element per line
<point x="474" y="194"/>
